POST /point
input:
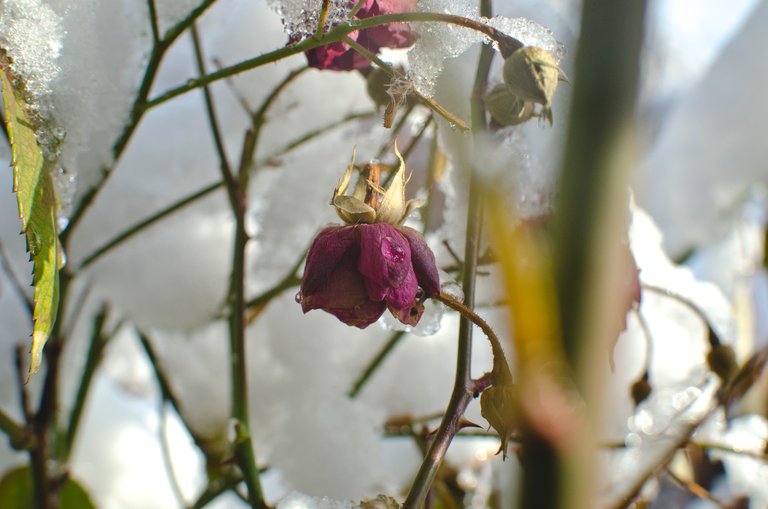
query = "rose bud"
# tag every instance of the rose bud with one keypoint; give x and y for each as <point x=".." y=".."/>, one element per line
<point x="532" y="74"/>
<point x="373" y="263"/>
<point x="499" y="406"/>
<point x="507" y="109"/>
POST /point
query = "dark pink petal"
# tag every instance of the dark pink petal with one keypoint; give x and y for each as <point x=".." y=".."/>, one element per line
<point x="330" y="246"/>
<point x="402" y="297"/>
<point x="345" y="297"/>
<point x="338" y="56"/>
<point x="423" y="260"/>
<point x="391" y="35"/>
<point x="385" y="259"/>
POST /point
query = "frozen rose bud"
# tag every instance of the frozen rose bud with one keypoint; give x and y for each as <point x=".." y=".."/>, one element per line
<point x="532" y="74"/>
<point x="507" y="109"/>
<point x="357" y="271"/>
<point x="338" y="56"/>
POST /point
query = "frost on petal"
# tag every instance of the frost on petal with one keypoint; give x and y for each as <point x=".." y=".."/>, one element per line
<point x="385" y="260"/>
<point x="423" y="260"/>
<point x="328" y="249"/>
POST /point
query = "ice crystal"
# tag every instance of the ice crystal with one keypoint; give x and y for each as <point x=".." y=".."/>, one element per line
<point x="300" y="17"/>
<point x="31" y="34"/>
<point x="440" y="41"/>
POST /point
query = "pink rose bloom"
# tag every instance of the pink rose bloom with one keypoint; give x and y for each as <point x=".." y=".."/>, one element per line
<point x="356" y="272"/>
<point x="338" y="56"/>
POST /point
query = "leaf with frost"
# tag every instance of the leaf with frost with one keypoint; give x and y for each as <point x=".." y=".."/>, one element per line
<point x="33" y="186"/>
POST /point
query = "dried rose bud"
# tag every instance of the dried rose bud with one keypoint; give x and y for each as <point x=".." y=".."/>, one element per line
<point x="532" y="74"/>
<point x="499" y="406"/>
<point x="506" y="108"/>
<point x="338" y="56"/>
<point x="357" y="271"/>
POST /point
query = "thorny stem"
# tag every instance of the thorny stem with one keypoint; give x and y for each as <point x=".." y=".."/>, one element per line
<point x="467" y="313"/>
<point x="237" y="191"/>
<point x="506" y="43"/>
<point x="427" y="101"/>
<point x="463" y="386"/>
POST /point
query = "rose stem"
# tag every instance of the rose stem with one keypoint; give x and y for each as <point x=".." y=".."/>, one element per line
<point x="463" y="386"/>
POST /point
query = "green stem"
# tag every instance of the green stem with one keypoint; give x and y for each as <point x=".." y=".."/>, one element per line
<point x="375" y="363"/>
<point x="17" y="435"/>
<point x="469" y="314"/>
<point x="323" y="17"/>
<point x="237" y="191"/>
<point x="140" y="226"/>
<point x="226" y="169"/>
<point x="309" y="136"/>
<point x="96" y="346"/>
<point x="506" y="42"/>
<point x="463" y="387"/>
<point x="289" y="281"/>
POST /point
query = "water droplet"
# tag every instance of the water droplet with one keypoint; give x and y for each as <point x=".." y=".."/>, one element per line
<point x="298" y="297"/>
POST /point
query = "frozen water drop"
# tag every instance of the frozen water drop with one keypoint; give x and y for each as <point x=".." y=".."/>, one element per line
<point x="450" y="287"/>
<point x="633" y="440"/>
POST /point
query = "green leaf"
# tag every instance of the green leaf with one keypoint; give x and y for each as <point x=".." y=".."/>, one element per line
<point x="33" y="186"/>
<point x="16" y="492"/>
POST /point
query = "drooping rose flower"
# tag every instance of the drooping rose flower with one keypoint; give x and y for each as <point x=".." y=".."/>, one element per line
<point x="338" y="56"/>
<point x="373" y="263"/>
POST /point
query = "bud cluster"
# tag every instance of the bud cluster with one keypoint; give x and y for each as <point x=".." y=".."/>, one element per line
<point x="530" y="77"/>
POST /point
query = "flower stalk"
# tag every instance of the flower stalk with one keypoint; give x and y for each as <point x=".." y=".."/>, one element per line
<point x="463" y="389"/>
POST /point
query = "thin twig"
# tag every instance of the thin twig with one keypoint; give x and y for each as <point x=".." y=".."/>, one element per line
<point x="138" y="109"/>
<point x="128" y="233"/>
<point x="5" y="262"/>
<point x="166" y="453"/>
<point x="326" y="6"/>
<point x="506" y="43"/>
<point x="226" y="168"/>
<point x="153" y="22"/>
<point x="374" y="364"/>
<point x="463" y="385"/>
<point x="96" y="344"/>
<point x="696" y="489"/>
<point x="395" y="74"/>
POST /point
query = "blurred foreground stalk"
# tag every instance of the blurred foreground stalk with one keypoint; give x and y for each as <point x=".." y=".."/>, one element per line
<point x="589" y="227"/>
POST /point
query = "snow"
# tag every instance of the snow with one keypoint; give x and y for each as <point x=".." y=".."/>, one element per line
<point x="440" y="41"/>
<point x="172" y="279"/>
<point x="708" y="146"/>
